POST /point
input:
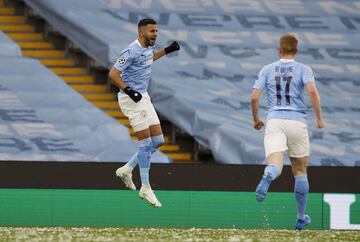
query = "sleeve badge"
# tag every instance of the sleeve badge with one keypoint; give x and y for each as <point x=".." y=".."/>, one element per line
<point x="121" y="60"/>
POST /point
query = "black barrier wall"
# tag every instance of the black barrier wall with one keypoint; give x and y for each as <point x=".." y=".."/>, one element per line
<point x="212" y="177"/>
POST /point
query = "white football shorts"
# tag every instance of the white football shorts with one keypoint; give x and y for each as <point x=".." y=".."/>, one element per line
<point x="142" y="114"/>
<point x="286" y="135"/>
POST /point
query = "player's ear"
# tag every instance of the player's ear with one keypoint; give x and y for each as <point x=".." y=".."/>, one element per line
<point x="141" y="30"/>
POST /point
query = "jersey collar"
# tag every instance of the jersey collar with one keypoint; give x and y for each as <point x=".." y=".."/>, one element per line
<point x="287" y="60"/>
<point x="138" y="42"/>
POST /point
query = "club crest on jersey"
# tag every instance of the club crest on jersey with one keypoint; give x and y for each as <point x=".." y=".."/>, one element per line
<point x="121" y="60"/>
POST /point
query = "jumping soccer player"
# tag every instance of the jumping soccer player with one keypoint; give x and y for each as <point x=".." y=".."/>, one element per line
<point x="131" y="73"/>
<point x="286" y="126"/>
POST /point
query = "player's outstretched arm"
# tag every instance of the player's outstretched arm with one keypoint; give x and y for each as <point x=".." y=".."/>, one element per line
<point x="315" y="102"/>
<point x="115" y="78"/>
<point x="174" y="46"/>
<point x="255" y="99"/>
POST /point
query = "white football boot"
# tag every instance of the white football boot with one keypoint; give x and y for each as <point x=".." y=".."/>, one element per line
<point x="147" y="193"/>
<point x="126" y="176"/>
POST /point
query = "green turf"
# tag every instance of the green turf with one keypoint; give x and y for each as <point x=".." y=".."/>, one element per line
<point x="157" y="234"/>
<point x="181" y="209"/>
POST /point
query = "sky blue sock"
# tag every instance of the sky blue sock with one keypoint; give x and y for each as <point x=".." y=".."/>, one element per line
<point x="272" y="170"/>
<point x="133" y="161"/>
<point x="144" y="175"/>
<point x="157" y="141"/>
<point x="144" y="150"/>
<point x="301" y="190"/>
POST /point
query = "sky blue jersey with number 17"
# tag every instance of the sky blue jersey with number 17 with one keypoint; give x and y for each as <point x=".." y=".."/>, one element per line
<point x="284" y="82"/>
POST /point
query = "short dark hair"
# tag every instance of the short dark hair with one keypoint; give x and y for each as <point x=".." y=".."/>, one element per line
<point x="146" y="21"/>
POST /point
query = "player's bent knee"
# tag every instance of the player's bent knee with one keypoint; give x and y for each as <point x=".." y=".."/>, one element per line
<point x="157" y="141"/>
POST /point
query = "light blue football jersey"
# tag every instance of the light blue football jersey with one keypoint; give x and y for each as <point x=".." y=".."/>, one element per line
<point x="135" y="65"/>
<point x="284" y="82"/>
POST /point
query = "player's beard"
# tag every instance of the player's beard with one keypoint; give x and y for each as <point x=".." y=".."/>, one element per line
<point x="150" y="41"/>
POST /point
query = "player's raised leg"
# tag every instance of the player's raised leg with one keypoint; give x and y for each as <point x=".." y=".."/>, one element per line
<point x="275" y="143"/>
<point x="301" y="190"/>
<point x="271" y="172"/>
<point x="125" y="171"/>
<point x="157" y="139"/>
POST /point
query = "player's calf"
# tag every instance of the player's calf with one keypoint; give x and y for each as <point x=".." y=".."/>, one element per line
<point x="301" y="190"/>
<point x="144" y="156"/>
<point x="271" y="172"/>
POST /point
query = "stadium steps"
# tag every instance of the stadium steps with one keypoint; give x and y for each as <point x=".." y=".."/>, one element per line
<point x="5" y="11"/>
<point x="39" y="45"/>
<point x="16" y="27"/>
<point x="40" y="54"/>
<point x="9" y="18"/>
<point x="57" y="62"/>
<point x="35" y="45"/>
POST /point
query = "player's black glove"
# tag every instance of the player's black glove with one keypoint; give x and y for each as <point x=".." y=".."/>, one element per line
<point x="134" y="95"/>
<point x="174" y="46"/>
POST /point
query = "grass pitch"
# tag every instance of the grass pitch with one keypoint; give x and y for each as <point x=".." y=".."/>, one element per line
<point x="166" y="234"/>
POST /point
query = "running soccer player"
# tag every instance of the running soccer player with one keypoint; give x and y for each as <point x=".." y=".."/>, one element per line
<point x="286" y="127"/>
<point x="131" y="73"/>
